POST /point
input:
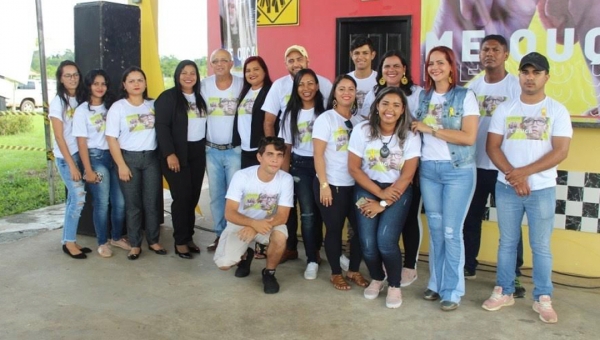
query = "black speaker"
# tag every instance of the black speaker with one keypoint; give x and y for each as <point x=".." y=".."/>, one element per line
<point x="107" y="36"/>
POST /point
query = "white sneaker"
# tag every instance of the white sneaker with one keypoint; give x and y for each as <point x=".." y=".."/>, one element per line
<point x="408" y="276"/>
<point x="372" y="292"/>
<point x="344" y="262"/>
<point x="394" y="297"/>
<point x="311" y="271"/>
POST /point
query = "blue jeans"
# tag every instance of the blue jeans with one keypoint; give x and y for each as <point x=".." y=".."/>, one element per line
<point x="380" y="236"/>
<point x="75" y="198"/>
<point x="303" y="170"/>
<point x="103" y="193"/>
<point x="220" y="167"/>
<point x="447" y="193"/>
<point x="539" y="207"/>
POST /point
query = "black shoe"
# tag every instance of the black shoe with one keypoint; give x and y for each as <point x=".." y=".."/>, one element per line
<point x="270" y="282"/>
<point x="430" y="295"/>
<point x="193" y="248"/>
<point x="470" y="274"/>
<point x="213" y="246"/>
<point x="134" y="257"/>
<point x="186" y="256"/>
<point x="76" y="256"/>
<point x="85" y="250"/>
<point x="519" y="289"/>
<point x="162" y="251"/>
<point x="243" y="268"/>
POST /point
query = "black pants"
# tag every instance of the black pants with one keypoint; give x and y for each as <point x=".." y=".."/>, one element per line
<point x="249" y="159"/>
<point x="185" y="187"/>
<point x="334" y="217"/>
<point x="411" y="237"/>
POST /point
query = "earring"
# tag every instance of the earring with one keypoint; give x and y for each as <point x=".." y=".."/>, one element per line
<point x="450" y="79"/>
<point x="382" y="81"/>
<point x="334" y="103"/>
<point x="404" y="80"/>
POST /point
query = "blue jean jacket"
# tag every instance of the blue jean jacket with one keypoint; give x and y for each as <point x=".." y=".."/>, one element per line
<point x="452" y="114"/>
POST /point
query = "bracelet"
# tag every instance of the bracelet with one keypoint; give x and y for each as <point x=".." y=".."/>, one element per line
<point x="324" y="185"/>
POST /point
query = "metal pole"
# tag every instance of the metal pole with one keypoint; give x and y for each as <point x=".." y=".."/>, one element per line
<point x="47" y="132"/>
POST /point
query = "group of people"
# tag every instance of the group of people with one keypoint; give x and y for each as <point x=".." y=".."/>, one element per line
<point x="360" y="150"/>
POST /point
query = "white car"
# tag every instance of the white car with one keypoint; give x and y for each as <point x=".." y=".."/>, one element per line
<point x="29" y="96"/>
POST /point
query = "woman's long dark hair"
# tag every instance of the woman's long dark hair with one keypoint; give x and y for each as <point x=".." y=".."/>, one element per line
<point x="294" y="105"/>
<point x="108" y="98"/>
<point x="407" y="88"/>
<point x="402" y="125"/>
<point x="333" y="88"/>
<point x="122" y="92"/>
<point x="246" y="87"/>
<point x="181" y="104"/>
<point x="61" y="90"/>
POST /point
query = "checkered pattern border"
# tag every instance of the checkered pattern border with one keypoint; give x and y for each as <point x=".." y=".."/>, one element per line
<point x="577" y="202"/>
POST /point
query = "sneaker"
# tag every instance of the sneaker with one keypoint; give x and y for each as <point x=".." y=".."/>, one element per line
<point x="372" y="291"/>
<point x="311" y="271"/>
<point x="544" y="308"/>
<point x="269" y="281"/>
<point x="470" y="275"/>
<point x="344" y="263"/>
<point x="408" y="276"/>
<point x="498" y="300"/>
<point x="519" y="289"/>
<point x="430" y="295"/>
<point x="448" y="306"/>
<point x="122" y="243"/>
<point x="243" y="268"/>
<point x="394" y="297"/>
<point x="104" y="250"/>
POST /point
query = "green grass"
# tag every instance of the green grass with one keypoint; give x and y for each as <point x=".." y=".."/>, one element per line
<point x="23" y="174"/>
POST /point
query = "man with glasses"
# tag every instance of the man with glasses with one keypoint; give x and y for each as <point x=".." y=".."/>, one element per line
<point x="259" y="200"/>
<point x="527" y="182"/>
<point x="223" y="153"/>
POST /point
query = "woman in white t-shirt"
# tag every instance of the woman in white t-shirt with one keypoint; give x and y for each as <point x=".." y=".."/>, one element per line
<point x="181" y="132"/>
<point x="100" y="172"/>
<point x="132" y="141"/>
<point x="447" y="118"/>
<point x="69" y="94"/>
<point x="334" y="186"/>
<point x="304" y="106"/>
<point x="383" y="159"/>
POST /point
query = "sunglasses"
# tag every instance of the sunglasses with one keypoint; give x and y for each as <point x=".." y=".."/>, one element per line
<point x="349" y="125"/>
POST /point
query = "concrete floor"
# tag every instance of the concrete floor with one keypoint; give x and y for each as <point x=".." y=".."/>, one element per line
<point x="47" y="295"/>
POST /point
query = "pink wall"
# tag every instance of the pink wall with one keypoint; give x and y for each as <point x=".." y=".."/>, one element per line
<point x="316" y="31"/>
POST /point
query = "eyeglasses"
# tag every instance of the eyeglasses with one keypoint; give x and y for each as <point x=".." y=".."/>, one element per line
<point x="71" y="76"/>
<point x="349" y="125"/>
<point x="219" y="61"/>
<point x="534" y="121"/>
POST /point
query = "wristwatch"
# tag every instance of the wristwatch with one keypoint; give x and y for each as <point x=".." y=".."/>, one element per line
<point x="324" y="185"/>
<point x="383" y="203"/>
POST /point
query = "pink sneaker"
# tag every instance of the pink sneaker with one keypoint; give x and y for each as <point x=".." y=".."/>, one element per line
<point x="394" y="297"/>
<point x="104" y="250"/>
<point x="408" y="276"/>
<point x="372" y="291"/>
<point x="122" y="243"/>
<point x="544" y="308"/>
<point x="498" y="300"/>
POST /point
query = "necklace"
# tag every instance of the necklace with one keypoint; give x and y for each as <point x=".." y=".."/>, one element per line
<point x="384" y="152"/>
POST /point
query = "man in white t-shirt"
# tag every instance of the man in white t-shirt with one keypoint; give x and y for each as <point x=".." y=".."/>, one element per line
<point x="296" y="59"/>
<point x="223" y="152"/>
<point x="362" y="52"/>
<point x="526" y="164"/>
<point x="494" y="87"/>
<point x="259" y="200"/>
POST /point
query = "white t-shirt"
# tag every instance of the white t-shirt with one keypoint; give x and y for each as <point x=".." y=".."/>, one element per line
<point x="383" y="170"/>
<point x="258" y="199"/>
<point x="330" y="127"/>
<point x="221" y="108"/>
<point x="435" y="149"/>
<point x="306" y="120"/>
<point x="91" y="124"/>
<point x="528" y="131"/>
<point x="489" y="96"/>
<point x="413" y="103"/>
<point x="58" y="111"/>
<point x="363" y="86"/>
<point x="133" y="126"/>
<point x="281" y="90"/>
<point x="196" y="119"/>
<point x="245" y="118"/>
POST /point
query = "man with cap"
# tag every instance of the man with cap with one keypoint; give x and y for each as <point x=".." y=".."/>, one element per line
<point x="296" y="59"/>
<point x="527" y="181"/>
<point x="494" y="87"/>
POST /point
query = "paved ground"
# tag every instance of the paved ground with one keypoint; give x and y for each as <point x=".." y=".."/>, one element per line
<point x="46" y="295"/>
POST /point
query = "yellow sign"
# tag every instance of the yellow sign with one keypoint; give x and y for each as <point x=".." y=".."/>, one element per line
<point x="276" y="12"/>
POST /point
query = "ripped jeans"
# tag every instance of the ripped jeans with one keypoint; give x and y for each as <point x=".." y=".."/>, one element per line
<point x="447" y="194"/>
<point x="75" y="198"/>
<point x="303" y="170"/>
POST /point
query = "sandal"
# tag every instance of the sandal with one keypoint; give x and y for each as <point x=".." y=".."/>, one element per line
<point x="339" y="283"/>
<point x="357" y="278"/>
<point x="260" y="251"/>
